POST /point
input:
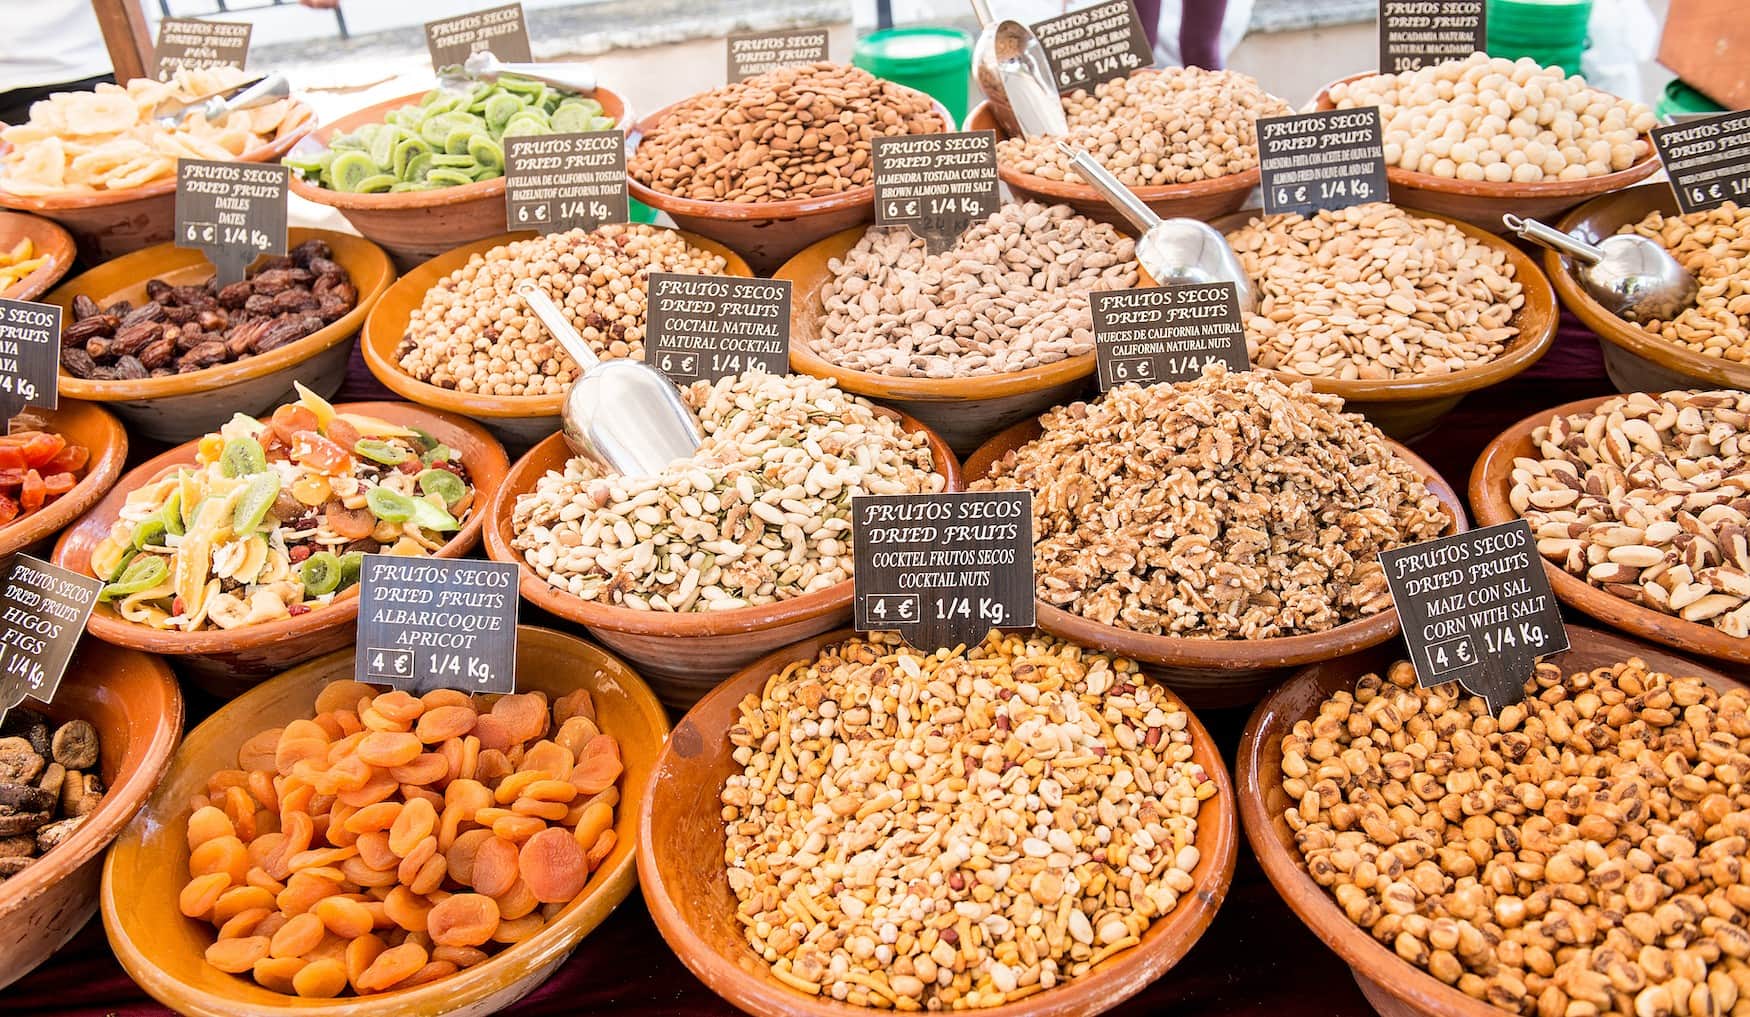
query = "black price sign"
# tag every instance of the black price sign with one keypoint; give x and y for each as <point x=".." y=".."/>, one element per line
<point x="234" y="211"/>
<point x="706" y="327"/>
<point x="43" y="610"/>
<point x="1418" y="33"/>
<point x="1095" y="44"/>
<point x="1708" y="160"/>
<point x="559" y="182"/>
<point x="501" y="31"/>
<point x="30" y="356"/>
<point x="437" y="623"/>
<point x="1326" y="160"/>
<point x="752" y="53"/>
<point x="193" y="44"/>
<point x="1167" y="333"/>
<point x="943" y="569"/>
<point x="937" y="184"/>
<point x="1477" y="609"/>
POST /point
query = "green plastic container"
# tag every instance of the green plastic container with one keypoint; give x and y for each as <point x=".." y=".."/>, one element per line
<point x="638" y="211"/>
<point x="935" y="61"/>
<point x="1520" y="28"/>
<point x="1681" y="100"/>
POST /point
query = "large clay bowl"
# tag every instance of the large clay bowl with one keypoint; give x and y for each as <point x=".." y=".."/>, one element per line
<point x="680" y="867"/>
<point x="132" y="700"/>
<point x="229" y="661"/>
<point x="1490" y="482"/>
<point x="415" y="225"/>
<point x="84" y="424"/>
<point x="47" y="239"/>
<point x="163" y="951"/>
<point x="1407" y="408"/>
<point x="965" y="411"/>
<point x="683" y="656"/>
<point x="184" y="406"/>
<point x="518" y="421"/>
<point x="1395" y="987"/>
<point x="1217" y="673"/>
<point x="1483" y="202"/>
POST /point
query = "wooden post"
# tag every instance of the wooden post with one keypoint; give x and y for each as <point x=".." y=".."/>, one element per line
<point x="126" y="34"/>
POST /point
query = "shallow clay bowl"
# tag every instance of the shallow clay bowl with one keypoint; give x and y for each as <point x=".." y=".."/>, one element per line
<point x="1218" y="673"/>
<point x="415" y="225"/>
<point x="229" y="661"/>
<point x="47" y="239"/>
<point x="1483" y="202"/>
<point x="108" y="224"/>
<point x="132" y="700"/>
<point x="163" y="951"/>
<point x="518" y="421"/>
<point x="681" y="870"/>
<point x="685" y="655"/>
<point x="965" y="411"/>
<point x="84" y="424"/>
<point x="1491" y="480"/>
<point x="1395" y="987"/>
<point x="1635" y="359"/>
<point x="1407" y="408"/>
<point x="183" y="406"/>
<point x="1200" y="199"/>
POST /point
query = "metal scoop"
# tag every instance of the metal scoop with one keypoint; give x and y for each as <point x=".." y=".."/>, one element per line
<point x="624" y="414"/>
<point x="1011" y="67"/>
<point x="220" y="105"/>
<point x="484" y="66"/>
<point x="1632" y="276"/>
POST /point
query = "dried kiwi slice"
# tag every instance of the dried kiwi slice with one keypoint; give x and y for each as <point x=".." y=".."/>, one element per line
<point x="320" y="573"/>
<point x="486" y="152"/>
<point x="350" y="169"/>
<point x="448" y="177"/>
<point x="140" y="575"/>
<point x="351" y="564"/>
<point x="149" y="532"/>
<point x="254" y="502"/>
<point x="405" y="151"/>
<point x="389" y="506"/>
<point x="456" y="142"/>
<point x="444" y="484"/>
<point x="378" y="184"/>
<point x="499" y="109"/>
<point x="242" y="457"/>
<point x="379" y="451"/>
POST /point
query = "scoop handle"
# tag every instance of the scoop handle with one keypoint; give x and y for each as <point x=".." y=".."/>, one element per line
<point x="552" y="317"/>
<point x="572" y="77"/>
<point x="1116" y="194"/>
<point x="981" y="10"/>
<point x="1552" y="238"/>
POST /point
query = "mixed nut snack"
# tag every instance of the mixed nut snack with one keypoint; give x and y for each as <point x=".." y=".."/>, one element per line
<point x="1230" y="506"/>
<point x="36" y="467"/>
<point x="1009" y="295"/>
<point x="761" y="513"/>
<point x="1176" y="125"/>
<point x="954" y="830"/>
<point x="188" y="328"/>
<point x="1371" y="292"/>
<point x="48" y="785"/>
<point x="795" y="132"/>
<point x="472" y="333"/>
<point x="393" y="841"/>
<point x="1715" y="247"/>
<point x="1582" y="854"/>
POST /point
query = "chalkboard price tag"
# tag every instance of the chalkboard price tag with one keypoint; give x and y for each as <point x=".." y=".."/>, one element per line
<point x="1477" y="609"/>
<point x="1708" y="160"/>
<point x="1326" y="160"/>
<point x="706" y="327"/>
<point x="234" y="211"/>
<point x="30" y="357"/>
<point x="559" y="182"/>
<point x="943" y="569"/>
<point x="752" y="53"/>
<point x="1095" y="44"/>
<point x="1167" y="333"/>
<point x="194" y="44"/>
<point x="43" y="610"/>
<point x="501" y="31"/>
<point x="937" y="184"/>
<point x="1419" y="33"/>
<point x="437" y="623"/>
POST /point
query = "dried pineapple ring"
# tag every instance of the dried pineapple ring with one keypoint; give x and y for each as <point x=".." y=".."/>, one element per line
<point x="105" y="111"/>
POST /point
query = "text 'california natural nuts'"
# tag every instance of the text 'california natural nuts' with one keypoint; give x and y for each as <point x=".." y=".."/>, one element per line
<point x="1373" y="292"/>
<point x="1715" y="247"/>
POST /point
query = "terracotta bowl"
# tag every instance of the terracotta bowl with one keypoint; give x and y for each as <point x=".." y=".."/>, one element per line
<point x="680" y="867"/>
<point x="1635" y="359"/>
<point x="1218" y="673"/>
<point x="1490" y="482"/>
<point x="1394" y="987"/>
<point x="965" y="411"/>
<point x="766" y="233"/>
<point x="229" y="661"/>
<point x="1407" y="408"/>
<point x="84" y="424"/>
<point x="518" y="421"/>
<point x="132" y="700"/>
<point x="1201" y="199"/>
<point x="1483" y="202"/>
<point x="184" y="406"/>
<point x="415" y="225"/>
<point x="683" y="656"/>
<point x="48" y="240"/>
<point x="163" y="951"/>
<point x="109" y="224"/>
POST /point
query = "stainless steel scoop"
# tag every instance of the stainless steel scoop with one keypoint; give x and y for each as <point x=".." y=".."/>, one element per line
<point x="1009" y="59"/>
<point x="484" y="66"/>
<point x="220" y="105"/>
<point x="1632" y="276"/>
<point x="624" y="414"/>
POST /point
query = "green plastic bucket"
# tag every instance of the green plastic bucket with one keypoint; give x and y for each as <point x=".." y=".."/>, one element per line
<point x="935" y="61"/>
<point x="1681" y="100"/>
<point x="1519" y="28"/>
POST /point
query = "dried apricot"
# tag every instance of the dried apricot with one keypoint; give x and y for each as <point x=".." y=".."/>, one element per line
<point x="518" y="930"/>
<point x="460" y="956"/>
<point x="415" y="823"/>
<point x="516" y="902"/>
<point x="495" y="866"/>
<point x="551" y="758"/>
<point x="576" y="703"/>
<point x="390" y="748"/>
<point x="596" y="818"/>
<point x="575" y="733"/>
<point x="552" y="812"/>
<point x="517" y="828"/>
<point x="603" y="847"/>
<point x="257" y="753"/>
<point x="361" y="953"/>
<point x="242" y="924"/>
<point x="320" y="979"/>
<point x="342" y="695"/>
<point x="298" y="936"/>
<point x="399" y="707"/>
<point x="437" y="698"/>
<point x="445" y="722"/>
<point x="465" y="919"/>
<point x="416" y="858"/>
<point x="208" y="824"/>
<point x="239" y="899"/>
<point x="391" y="966"/>
<point x="276" y="973"/>
<point x="430" y="877"/>
<point x="346" y="918"/>
<point x="201" y="893"/>
<point x="429" y="768"/>
<point x="430" y="973"/>
<point x="525" y="715"/>
<point x="407" y="909"/>
<point x="553" y="866"/>
<point x="221" y="854"/>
